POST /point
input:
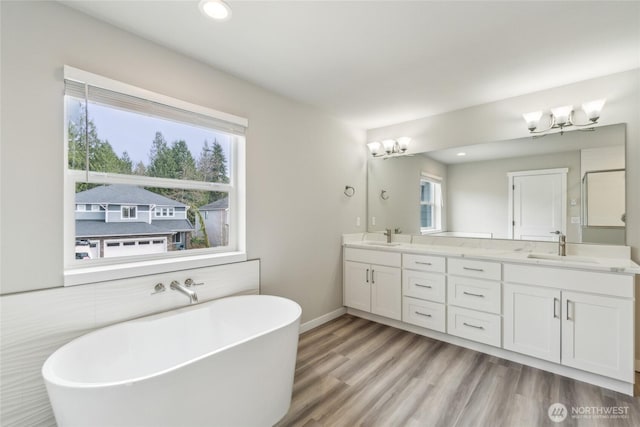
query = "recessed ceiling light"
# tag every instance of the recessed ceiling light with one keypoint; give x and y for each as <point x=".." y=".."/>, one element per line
<point x="215" y="9"/>
<point x="461" y="154"/>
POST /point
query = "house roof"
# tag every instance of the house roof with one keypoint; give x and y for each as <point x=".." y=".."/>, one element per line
<point x="85" y="228"/>
<point x="218" y="204"/>
<point x="124" y="194"/>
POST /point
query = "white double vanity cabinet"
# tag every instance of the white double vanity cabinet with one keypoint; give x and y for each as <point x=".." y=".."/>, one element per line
<point x="572" y="315"/>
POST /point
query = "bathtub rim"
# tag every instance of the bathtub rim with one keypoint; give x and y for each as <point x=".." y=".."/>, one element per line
<point x="50" y="377"/>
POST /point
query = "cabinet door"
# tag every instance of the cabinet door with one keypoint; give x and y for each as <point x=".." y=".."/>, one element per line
<point x="532" y="321"/>
<point x="386" y="292"/>
<point x="357" y="289"/>
<point x="597" y="334"/>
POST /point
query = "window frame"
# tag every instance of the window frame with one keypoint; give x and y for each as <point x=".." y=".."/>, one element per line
<point x="104" y="269"/>
<point x="128" y="209"/>
<point x="436" y="204"/>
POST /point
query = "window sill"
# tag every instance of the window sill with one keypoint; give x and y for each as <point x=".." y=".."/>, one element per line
<point x="103" y="273"/>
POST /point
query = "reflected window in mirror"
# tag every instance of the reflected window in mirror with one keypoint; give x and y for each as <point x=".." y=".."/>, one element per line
<point x="430" y="204"/>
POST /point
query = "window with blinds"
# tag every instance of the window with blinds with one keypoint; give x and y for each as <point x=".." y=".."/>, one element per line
<point x="157" y="167"/>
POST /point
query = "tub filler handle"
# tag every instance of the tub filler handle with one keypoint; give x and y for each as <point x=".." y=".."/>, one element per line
<point x="189" y="282"/>
<point x="158" y="288"/>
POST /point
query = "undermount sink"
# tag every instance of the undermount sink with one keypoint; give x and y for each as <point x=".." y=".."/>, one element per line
<point x="569" y="258"/>
<point x="382" y="243"/>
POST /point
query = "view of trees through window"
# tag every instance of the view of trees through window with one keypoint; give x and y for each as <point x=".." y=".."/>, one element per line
<point x="129" y="143"/>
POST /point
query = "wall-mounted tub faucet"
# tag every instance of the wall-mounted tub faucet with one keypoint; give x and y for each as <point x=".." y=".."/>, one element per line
<point x="176" y="286"/>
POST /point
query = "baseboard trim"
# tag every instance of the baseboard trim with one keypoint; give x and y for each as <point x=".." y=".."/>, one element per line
<point x="576" y="374"/>
<point x="314" y="323"/>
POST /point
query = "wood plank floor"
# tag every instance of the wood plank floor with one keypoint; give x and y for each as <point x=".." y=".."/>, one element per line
<point x="354" y="372"/>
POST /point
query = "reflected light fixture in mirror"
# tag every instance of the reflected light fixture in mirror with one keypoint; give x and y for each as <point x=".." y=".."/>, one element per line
<point x="562" y="117"/>
<point x="215" y="9"/>
<point x="390" y="147"/>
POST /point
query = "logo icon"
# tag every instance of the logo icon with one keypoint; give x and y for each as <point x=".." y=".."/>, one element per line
<point x="557" y="412"/>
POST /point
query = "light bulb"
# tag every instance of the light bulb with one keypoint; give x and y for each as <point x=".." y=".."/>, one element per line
<point x="388" y="145"/>
<point x="562" y="115"/>
<point x="403" y="143"/>
<point x="593" y="108"/>
<point x="215" y="9"/>
<point x="374" y="147"/>
<point x="532" y="119"/>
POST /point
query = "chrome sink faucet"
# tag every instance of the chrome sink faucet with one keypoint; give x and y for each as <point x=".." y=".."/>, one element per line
<point x="388" y="234"/>
<point x="176" y="286"/>
<point x="562" y="243"/>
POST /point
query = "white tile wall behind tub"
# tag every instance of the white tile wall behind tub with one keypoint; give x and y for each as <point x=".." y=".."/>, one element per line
<point x="35" y="324"/>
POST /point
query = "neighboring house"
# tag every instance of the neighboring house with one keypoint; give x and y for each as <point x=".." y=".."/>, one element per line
<point x="216" y="221"/>
<point x="120" y="220"/>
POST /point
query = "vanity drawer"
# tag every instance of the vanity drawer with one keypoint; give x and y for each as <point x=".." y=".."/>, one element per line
<point x="428" y="286"/>
<point x="473" y="325"/>
<point x="475" y="268"/>
<point x="427" y="314"/>
<point x="483" y="295"/>
<point x="392" y="259"/>
<point x="424" y="262"/>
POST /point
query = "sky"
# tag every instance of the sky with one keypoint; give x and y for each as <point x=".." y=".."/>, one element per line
<point x="134" y="132"/>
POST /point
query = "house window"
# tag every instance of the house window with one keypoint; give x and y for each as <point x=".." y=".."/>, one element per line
<point x="165" y="212"/>
<point x="430" y="204"/>
<point x="129" y="148"/>
<point x="128" y="212"/>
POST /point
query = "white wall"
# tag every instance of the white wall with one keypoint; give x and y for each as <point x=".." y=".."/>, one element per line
<point x="299" y="161"/>
<point x="400" y="177"/>
<point x="478" y="192"/>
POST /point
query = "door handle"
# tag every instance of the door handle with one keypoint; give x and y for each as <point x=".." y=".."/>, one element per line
<point x="556" y="301"/>
<point x="372" y="276"/>
<point x="568" y="318"/>
<point x="367" y="275"/>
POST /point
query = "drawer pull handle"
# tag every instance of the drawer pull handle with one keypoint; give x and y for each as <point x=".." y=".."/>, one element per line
<point x="422" y="314"/>
<point x="421" y="286"/>
<point x="481" y="270"/>
<point x="472" y="294"/>
<point x="423" y="263"/>
<point x="473" y="326"/>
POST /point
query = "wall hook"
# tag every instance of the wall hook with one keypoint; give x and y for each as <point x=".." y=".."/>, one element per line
<point x="384" y="195"/>
<point x="349" y="191"/>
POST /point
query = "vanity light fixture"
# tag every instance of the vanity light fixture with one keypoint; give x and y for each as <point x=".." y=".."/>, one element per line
<point x="390" y="147"/>
<point x="215" y="9"/>
<point x="562" y="117"/>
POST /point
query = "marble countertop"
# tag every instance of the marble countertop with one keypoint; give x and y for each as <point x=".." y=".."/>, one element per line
<point x="517" y="255"/>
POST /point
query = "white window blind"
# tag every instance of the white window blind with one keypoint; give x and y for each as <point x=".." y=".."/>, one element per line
<point x="98" y="95"/>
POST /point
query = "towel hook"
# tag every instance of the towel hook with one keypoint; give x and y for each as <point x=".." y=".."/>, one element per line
<point x="384" y="195"/>
<point x="349" y="191"/>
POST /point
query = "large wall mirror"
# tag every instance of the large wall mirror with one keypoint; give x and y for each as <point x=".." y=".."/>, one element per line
<point x="524" y="189"/>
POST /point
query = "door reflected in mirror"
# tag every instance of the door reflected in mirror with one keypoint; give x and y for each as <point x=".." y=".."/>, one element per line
<point x="523" y="189"/>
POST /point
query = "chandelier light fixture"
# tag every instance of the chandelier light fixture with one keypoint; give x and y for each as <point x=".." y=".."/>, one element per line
<point x="390" y="147"/>
<point x="562" y="117"/>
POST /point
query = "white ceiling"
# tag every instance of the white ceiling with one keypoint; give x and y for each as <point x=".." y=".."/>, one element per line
<point x="374" y="63"/>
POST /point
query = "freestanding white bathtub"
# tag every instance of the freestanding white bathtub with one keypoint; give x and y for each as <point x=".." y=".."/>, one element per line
<point x="229" y="362"/>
